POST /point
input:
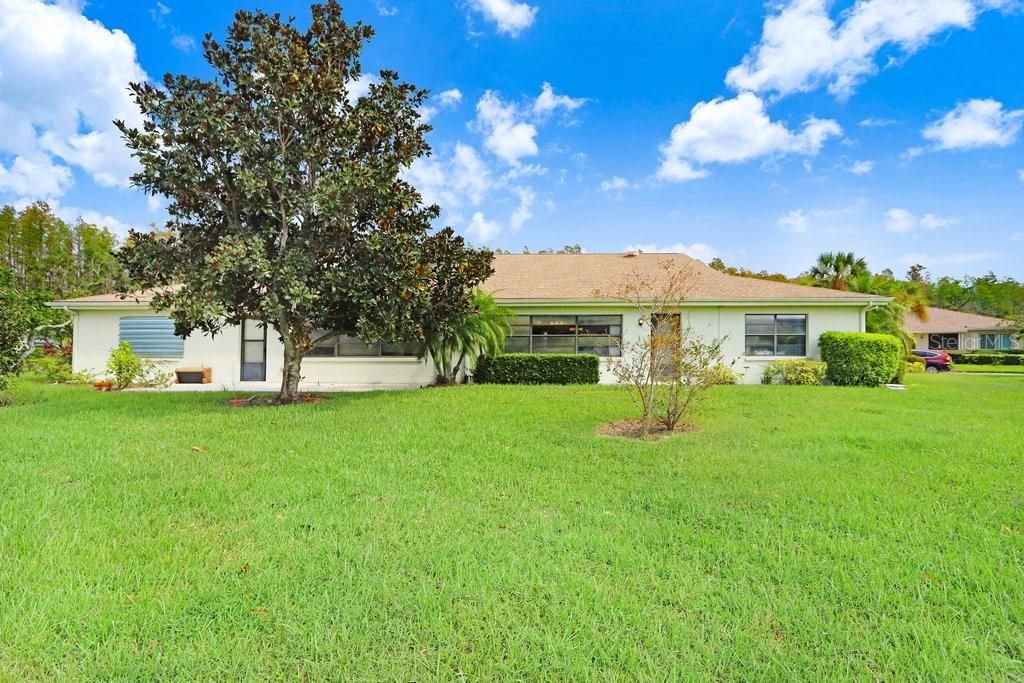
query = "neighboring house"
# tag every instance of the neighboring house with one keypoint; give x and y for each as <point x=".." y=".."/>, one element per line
<point x="947" y="330"/>
<point x="553" y="297"/>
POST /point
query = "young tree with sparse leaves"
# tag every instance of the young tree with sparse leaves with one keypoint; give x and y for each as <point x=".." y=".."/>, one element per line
<point x="287" y="203"/>
<point x="671" y="366"/>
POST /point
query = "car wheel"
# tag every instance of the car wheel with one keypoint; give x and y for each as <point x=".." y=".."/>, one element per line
<point x="932" y="369"/>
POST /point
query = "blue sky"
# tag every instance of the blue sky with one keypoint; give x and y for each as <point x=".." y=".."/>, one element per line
<point x="763" y="134"/>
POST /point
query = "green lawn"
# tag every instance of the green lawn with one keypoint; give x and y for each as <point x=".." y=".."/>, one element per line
<point x="988" y="369"/>
<point x="484" y="533"/>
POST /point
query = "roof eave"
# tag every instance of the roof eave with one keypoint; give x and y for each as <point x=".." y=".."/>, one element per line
<point x="697" y="301"/>
<point x="73" y="305"/>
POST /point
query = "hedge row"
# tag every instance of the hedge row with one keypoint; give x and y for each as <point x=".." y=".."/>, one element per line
<point x="988" y="359"/>
<point x="861" y="359"/>
<point x="988" y="352"/>
<point x="537" y="368"/>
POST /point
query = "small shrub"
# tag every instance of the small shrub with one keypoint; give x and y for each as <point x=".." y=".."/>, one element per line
<point x="124" y="367"/>
<point x="802" y="372"/>
<point x="861" y="359"/>
<point x="911" y="367"/>
<point x="54" y="367"/>
<point x="536" y="368"/>
<point x="720" y="374"/>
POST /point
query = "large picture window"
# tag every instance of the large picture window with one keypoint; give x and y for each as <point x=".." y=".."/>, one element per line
<point x="776" y="335"/>
<point x="995" y="342"/>
<point x="600" y="335"/>
<point x="346" y="346"/>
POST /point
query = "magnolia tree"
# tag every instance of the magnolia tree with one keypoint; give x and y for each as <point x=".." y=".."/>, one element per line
<point x="668" y="368"/>
<point x="287" y="203"/>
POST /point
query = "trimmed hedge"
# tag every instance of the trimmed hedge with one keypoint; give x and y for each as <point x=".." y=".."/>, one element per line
<point x="988" y="359"/>
<point x="861" y="359"/>
<point x="538" y="368"/>
<point x="803" y="372"/>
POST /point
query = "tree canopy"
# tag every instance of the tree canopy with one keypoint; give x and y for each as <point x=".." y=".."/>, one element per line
<point x="287" y="202"/>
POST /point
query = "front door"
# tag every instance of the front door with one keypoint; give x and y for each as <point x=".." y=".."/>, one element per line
<point x="662" y="360"/>
<point x="254" y="351"/>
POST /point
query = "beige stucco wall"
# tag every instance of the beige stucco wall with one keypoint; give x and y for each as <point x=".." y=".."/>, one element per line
<point x="96" y="334"/>
<point x="721" y="321"/>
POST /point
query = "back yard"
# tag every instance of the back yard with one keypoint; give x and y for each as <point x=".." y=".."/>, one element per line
<point x="806" y="532"/>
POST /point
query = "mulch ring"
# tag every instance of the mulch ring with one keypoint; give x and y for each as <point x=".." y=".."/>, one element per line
<point x="256" y="401"/>
<point x="633" y="429"/>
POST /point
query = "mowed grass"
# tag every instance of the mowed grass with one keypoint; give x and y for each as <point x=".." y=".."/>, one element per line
<point x="486" y="533"/>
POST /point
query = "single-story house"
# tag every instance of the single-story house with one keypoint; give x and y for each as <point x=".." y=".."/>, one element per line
<point x="947" y="330"/>
<point x="557" y="311"/>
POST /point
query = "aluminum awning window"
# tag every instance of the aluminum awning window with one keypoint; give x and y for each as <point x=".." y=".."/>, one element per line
<point x="151" y="336"/>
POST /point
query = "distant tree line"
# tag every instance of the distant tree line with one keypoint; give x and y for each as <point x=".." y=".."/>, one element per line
<point x="43" y="258"/>
<point x="45" y="255"/>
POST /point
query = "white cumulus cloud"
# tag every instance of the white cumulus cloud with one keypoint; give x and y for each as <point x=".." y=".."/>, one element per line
<point x="523" y="212"/>
<point x="901" y="221"/>
<point x="63" y="80"/>
<point x="861" y="167"/>
<point x="796" y="222"/>
<point x="736" y="130"/>
<point x="39" y="178"/>
<point x="445" y="100"/>
<point x="698" y="250"/>
<point x="504" y="134"/>
<point x="510" y="17"/>
<point x="803" y="47"/>
<point x="974" y="124"/>
<point x="481" y="229"/>
<point x="548" y="102"/>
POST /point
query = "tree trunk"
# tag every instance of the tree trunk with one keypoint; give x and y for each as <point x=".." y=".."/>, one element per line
<point x="295" y="339"/>
<point x="291" y="373"/>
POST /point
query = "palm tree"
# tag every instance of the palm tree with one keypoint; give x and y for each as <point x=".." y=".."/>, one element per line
<point x="481" y="331"/>
<point x="835" y="269"/>
<point x="908" y="298"/>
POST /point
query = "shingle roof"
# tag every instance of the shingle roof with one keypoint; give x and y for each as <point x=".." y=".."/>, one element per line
<point x="575" y="277"/>
<point x="143" y="296"/>
<point x="944" y="320"/>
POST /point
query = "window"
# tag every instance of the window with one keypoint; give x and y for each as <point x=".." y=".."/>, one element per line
<point x="346" y="346"/>
<point x="254" y="351"/>
<point x="600" y="335"/>
<point x="151" y="336"/>
<point x="944" y="342"/>
<point x="996" y="342"/>
<point x="776" y="335"/>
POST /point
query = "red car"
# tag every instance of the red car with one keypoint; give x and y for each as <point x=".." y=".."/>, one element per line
<point x="935" y="361"/>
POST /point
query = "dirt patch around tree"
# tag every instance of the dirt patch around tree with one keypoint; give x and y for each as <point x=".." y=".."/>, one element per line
<point x="263" y="401"/>
<point x="633" y="429"/>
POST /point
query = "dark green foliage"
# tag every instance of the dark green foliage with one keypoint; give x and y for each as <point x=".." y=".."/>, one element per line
<point x="23" y="317"/>
<point x="985" y="295"/>
<point x="287" y="200"/>
<point x="538" y="368"/>
<point x="861" y="358"/>
<point x="988" y="358"/>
